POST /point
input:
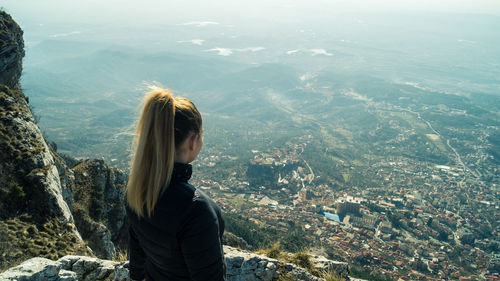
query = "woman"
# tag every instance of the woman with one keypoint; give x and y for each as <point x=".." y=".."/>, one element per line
<point x="175" y="229"/>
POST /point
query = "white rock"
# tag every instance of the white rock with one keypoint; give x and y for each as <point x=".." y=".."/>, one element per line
<point x="30" y="270"/>
<point x="241" y="266"/>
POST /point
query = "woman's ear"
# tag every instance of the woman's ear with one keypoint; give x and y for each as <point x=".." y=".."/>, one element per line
<point x="192" y="141"/>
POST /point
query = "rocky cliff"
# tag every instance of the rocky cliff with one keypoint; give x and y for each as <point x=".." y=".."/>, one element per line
<point x="99" y="206"/>
<point x="34" y="218"/>
<point x="48" y="209"/>
<point x="11" y="51"/>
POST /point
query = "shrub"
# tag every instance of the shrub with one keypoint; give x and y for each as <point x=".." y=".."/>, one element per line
<point x="303" y="260"/>
<point x="16" y="191"/>
<point x="273" y="252"/>
<point x="331" y="276"/>
<point x="121" y="255"/>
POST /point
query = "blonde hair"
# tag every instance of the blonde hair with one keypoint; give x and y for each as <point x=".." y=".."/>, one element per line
<point x="165" y="122"/>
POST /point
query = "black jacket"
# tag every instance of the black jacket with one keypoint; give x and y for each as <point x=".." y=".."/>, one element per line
<point x="182" y="240"/>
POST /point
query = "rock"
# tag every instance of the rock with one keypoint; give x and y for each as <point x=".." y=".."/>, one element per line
<point x="66" y="275"/>
<point x="121" y="272"/>
<point x="11" y="51"/>
<point x="29" y="162"/>
<point x="241" y="266"/>
<point x="249" y="266"/>
<point x="99" y="206"/>
<point x="321" y="263"/>
<point x="69" y="268"/>
<point x="30" y="270"/>
<point x="300" y="273"/>
<point x="66" y="178"/>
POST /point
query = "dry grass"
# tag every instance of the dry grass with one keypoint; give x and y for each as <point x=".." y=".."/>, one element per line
<point x="303" y="260"/>
<point x="331" y="276"/>
<point x="121" y="255"/>
<point x="274" y="252"/>
<point x="21" y="239"/>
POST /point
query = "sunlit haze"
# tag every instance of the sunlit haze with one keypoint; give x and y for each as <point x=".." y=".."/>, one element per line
<point x="156" y="11"/>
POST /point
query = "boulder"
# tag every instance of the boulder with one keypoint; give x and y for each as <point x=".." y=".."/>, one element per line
<point x="68" y="268"/>
<point x="241" y="266"/>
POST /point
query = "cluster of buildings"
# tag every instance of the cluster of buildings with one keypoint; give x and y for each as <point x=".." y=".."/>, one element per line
<point x="424" y="222"/>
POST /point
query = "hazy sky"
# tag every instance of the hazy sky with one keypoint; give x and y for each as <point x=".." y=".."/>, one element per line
<point x="161" y="11"/>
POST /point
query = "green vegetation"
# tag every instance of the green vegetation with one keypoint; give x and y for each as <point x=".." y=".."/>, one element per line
<point x="359" y="272"/>
<point x="18" y="163"/>
<point x="21" y="239"/>
<point x="395" y="218"/>
<point x="121" y="255"/>
<point x="260" y="237"/>
<point x="303" y="260"/>
<point x="300" y="258"/>
<point x="91" y="209"/>
<point x="16" y="192"/>
<point x="331" y="276"/>
<point x="494" y="150"/>
<point x="274" y="251"/>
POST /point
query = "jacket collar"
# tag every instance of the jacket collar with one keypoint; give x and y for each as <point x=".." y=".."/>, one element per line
<point x="182" y="172"/>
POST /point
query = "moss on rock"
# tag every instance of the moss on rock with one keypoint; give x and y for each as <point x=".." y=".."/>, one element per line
<point x="21" y="239"/>
<point x="99" y="194"/>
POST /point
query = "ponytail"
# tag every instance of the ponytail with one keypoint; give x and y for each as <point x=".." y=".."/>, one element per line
<point x="153" y="158"/>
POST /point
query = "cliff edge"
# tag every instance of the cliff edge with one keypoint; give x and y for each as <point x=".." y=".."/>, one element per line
<point x="34" y="218"/>
<point x="11" y="51"/>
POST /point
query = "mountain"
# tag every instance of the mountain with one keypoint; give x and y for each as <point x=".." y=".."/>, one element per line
<point x="59" y="216"/>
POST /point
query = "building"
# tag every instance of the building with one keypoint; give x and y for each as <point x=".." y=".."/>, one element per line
<point x="348" y="207"/>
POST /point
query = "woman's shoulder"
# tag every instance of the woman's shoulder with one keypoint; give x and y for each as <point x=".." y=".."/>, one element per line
<point x="196" y="201"/>
<point x="182" y="197"/>
<point x="187" y="193"/>
<point x="202" y="213"/>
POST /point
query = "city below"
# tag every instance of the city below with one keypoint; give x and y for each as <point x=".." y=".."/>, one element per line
<point x="426" y="222"/>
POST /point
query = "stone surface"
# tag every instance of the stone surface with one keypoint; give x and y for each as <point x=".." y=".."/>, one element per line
<point x="66" y="178"/>
<point x="321" y="263"/>
<point x="26" y="158"/>
<point x="30" y="162"/>
<point x="11" y="51"/>
<point x="30" y="187"/>
<point x="68" y="268"/>
<point x="33" y="269"/>
<point x="241" y="266"/>
<point x="99" y="206"/>
<point x="36" y="183"/>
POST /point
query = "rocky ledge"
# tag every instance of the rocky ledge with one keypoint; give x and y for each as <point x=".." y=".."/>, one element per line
<point x="11" y="51"/>
<point x="241" y="266"/>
